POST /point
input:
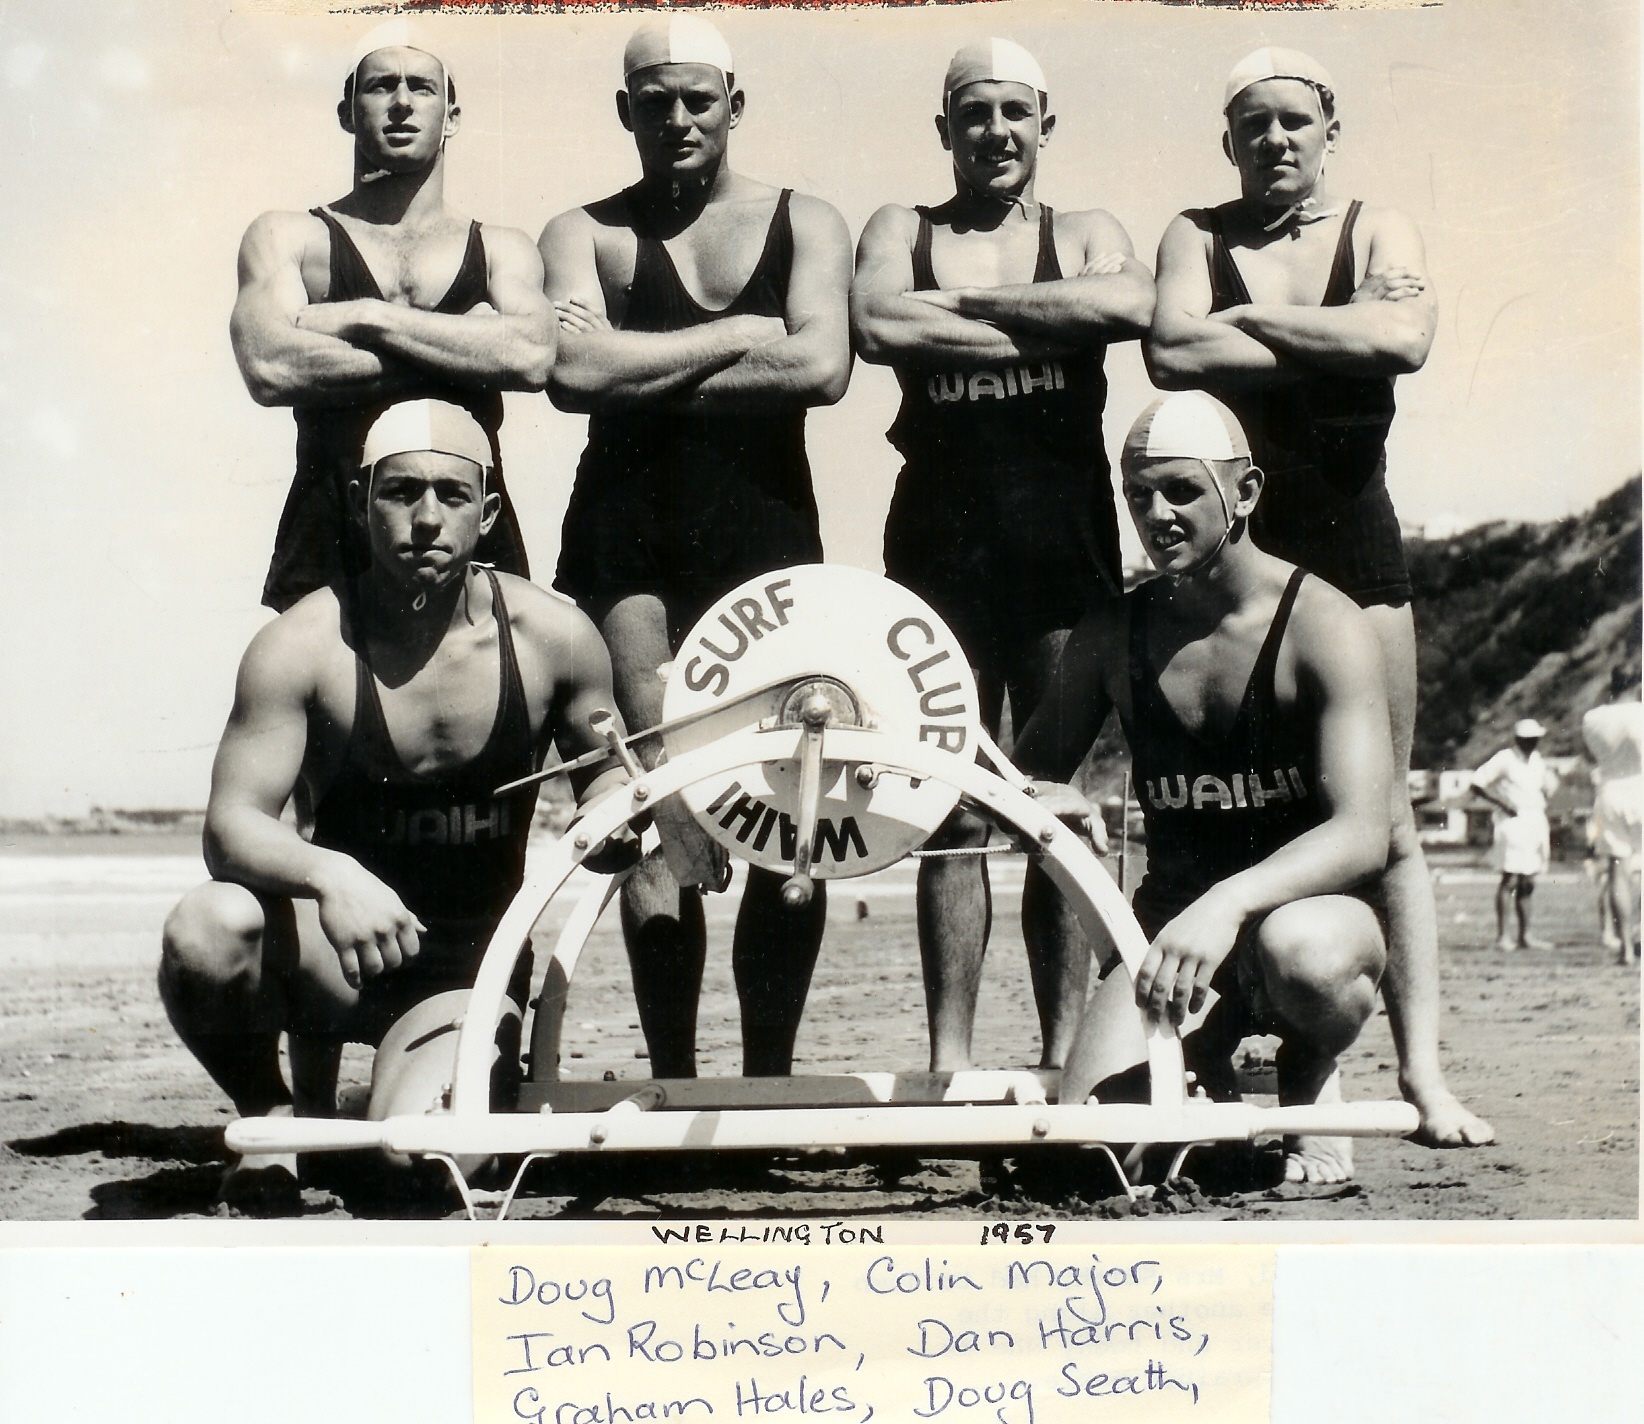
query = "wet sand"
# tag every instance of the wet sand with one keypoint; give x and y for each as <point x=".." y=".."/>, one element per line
<point x="103" y="1114"/>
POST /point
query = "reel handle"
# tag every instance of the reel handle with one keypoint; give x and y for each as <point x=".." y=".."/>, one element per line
<point x="799" y="887"/>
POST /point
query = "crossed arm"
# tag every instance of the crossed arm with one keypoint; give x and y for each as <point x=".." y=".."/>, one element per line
<point x="1386" y="329"/>
<point x="1109" y="299"/>
<point x="294" y="352"/>
<point x="799" y="359"/>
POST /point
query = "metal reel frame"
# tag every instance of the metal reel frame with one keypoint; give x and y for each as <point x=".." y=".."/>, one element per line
<point x="1003" y="1109"/>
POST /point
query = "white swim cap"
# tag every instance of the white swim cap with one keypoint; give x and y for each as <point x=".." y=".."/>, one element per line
<point x="1187" y="425"/>
<point x="993" y="61"/>
<point x="1271" y="63"/>
<point x="426" y="425"/>
<point x="677" y="39"/>
<point x="397" y="33"/>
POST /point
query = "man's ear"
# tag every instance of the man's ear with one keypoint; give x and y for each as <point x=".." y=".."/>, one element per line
<point x="453" y="120"/>
<point x="345" y="112"/>
<point x="1332" y="135"/>
<point x="942" y="132"/>
<point x="1227" y="147"/>
<point x="490" y="508"/>
<point x="739" y="101"/>
<point x="358" y="493"/>
<point x="624" y="111"/>
<point x="1249" y="486"/>
<point x="1046" y="125"/>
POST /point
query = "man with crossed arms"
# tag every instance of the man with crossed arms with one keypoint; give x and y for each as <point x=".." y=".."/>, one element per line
<point x="1003" y="514"/>
<point x="701" y="313"/>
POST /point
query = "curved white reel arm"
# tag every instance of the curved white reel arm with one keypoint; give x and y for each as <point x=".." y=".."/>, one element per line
<point x="1069" y="862"/>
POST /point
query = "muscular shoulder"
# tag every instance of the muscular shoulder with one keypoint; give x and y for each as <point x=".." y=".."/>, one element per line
<point x="892" y="223"/>
<point x="1331" y="638"/>
<point x="1387" y="236"/>
<point x="549" y="620"/>
<point x="1096" y="226"/>
<point x="287" y="654"/>
<point x="279" y="236"/>
<point x="506" y="243"/>
<point x="814" y="214"/>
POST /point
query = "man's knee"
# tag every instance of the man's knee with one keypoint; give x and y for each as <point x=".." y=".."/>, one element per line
<point x="1322" y="952"/>
<point x="214" y="935"/>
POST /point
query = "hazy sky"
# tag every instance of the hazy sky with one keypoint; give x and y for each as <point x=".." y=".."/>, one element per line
<point x="143" y="485"/>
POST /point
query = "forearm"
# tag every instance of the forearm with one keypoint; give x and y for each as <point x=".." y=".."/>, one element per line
<point x="1081" y="311"/>
<point x="903" y="331"/>
<point x="477" y="349"/>
<point x="799" y="371"/>
<point x="1195" y="353"/>
<point x="1358" y="339"/>
<point x="1331" y="859"/>
<point x="311" y="369"/>
<point x="251" y="848"/>
<point x="632" y="367"/>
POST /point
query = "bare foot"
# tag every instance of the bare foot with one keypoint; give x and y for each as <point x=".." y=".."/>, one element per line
<point x="1531" y="942"/>
<point x="1320" y="1159"/>
<point x="1445" y="1121"/>
<point x="1507" y="946"/>
<point x="265" y="1184"/>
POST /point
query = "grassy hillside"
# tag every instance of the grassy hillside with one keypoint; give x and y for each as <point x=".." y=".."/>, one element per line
<point x="1523" y="620"/>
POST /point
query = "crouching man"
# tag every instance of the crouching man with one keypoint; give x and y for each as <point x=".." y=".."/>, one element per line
<point x="1254" y="702"/>
<point x="402" y="699"/>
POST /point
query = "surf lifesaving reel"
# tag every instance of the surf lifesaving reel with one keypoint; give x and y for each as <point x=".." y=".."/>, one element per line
<point x="821" y="723"/>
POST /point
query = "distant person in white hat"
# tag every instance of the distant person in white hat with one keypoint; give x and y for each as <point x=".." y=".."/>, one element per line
<point x="1299" y="308"/>
<point x="1517" y="782"/>
<point x="383" y="295"/>
<point x="1253" y="700"/>
<point x="701" y="315"/>
<point x="1614" y="737"/>
<point x="995" y="312"/>
<point x="400" y="700"/>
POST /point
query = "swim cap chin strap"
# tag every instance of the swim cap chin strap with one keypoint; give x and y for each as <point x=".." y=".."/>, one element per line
<point x="1227" y="531"/>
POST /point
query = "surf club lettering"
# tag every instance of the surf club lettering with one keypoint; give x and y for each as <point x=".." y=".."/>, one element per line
<point x="1001" y="384"/>
<point x="1241" y="790"/>
<point x="908" y="638"/>
<point x="745" y="622"/>
<point x="751" y="821"/>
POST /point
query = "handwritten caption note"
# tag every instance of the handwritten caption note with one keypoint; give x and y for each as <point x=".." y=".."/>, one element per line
<point x="710" y="1325"/>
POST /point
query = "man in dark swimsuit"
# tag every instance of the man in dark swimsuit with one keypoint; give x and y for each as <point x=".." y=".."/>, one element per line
<point x="996" y="314"/>
<point x="701" y="313"/>
<point x="400" y="701"/>
<point x="384" y="295"/>
<point x="1258" y="304"/>
<point x="1253" y="700"/>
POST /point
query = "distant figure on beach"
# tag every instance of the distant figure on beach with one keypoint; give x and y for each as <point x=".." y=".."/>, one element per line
<point x="400" y="700"/>
<point x="1614" y="736"/>
<point x="1517" y="782"/>
<point x="384" y="295"/>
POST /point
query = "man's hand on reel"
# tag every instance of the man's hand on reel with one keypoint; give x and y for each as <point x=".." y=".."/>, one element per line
<point x="1070" y="806"/>
<point x="1175" y="977"/>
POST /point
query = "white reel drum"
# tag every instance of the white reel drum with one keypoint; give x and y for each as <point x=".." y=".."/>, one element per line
<point x="813" y="647"/>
